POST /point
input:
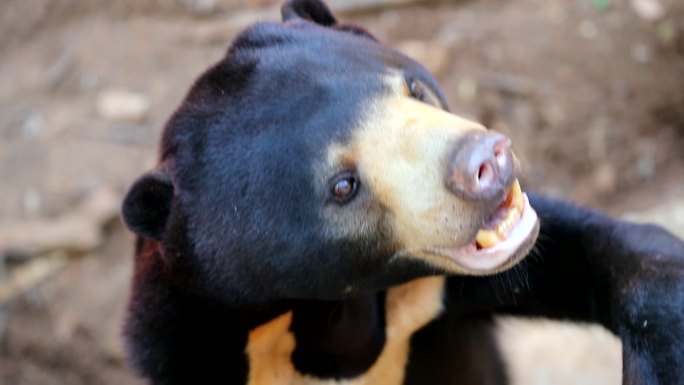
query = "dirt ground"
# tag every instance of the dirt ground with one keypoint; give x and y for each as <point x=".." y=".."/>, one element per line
<point x="591" y="91"/>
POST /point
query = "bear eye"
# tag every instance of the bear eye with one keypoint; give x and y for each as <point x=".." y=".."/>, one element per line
<point x="416" y="90"/>
<point x="423" y="93"/>
<point x="344" y="188"/>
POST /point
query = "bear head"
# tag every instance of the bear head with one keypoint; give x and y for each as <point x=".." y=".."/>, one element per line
<point x="312" y="162"/>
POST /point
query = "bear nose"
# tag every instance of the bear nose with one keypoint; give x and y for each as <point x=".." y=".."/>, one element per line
<point x="480" y="166"/>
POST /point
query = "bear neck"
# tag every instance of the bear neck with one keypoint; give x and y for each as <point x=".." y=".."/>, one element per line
<point x="168" y="321"/>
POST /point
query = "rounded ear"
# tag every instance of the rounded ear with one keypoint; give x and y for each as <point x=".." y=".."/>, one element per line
<point x="147" y="205"/>
<point x="312" y="10"/>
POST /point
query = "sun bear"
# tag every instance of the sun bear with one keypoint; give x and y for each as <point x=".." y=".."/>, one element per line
<point x="318" y="216"/>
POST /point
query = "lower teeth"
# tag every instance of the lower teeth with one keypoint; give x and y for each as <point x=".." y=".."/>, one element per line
<point x="488" y="238"/>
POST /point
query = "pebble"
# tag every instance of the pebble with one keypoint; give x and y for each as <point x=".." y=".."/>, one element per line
<point x="588" y="30"/>
<point x="649" y="10"/>
<point x="201" y="7"/>
<point x="605" y="178"/>
<point x="133" y="134"/>
<point x="646" y="167"/>
<point x="33" y="126"/>
<point x="58" y="72"/>
<point x="33" y="201"/>
<point x="122" y="106"/>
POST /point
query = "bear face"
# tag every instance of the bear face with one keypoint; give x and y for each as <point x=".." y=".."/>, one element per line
<point x="312" y="162"/>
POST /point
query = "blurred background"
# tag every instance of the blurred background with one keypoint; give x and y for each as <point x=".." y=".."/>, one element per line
<point x="591" y="91"/>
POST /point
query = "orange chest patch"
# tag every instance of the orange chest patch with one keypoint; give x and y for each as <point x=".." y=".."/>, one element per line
<point x="409" y="307"/>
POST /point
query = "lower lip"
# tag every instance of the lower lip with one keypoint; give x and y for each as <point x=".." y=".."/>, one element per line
<point x="494" y="258"/>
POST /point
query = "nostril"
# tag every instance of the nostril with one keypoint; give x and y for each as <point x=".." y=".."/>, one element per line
<point x="501" y="152"/>
<point x="501" y="158"/>
<point x="485" y="176"/>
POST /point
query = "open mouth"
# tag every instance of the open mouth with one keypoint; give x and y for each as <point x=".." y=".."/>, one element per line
<point x="503" y="240"/>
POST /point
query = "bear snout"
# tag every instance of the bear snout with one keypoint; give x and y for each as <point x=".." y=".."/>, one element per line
<point x="480" y="166"/>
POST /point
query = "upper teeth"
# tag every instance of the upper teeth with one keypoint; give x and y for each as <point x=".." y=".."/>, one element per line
<point x="487" y="238"/>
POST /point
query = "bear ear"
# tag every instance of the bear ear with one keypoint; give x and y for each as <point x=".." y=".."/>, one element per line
<point x="147" y="205"/>
<point x="312" y="10"/>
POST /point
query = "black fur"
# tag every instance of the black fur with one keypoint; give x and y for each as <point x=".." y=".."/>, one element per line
<point x="339" y="339"/>
<point x="456" y="350"/>
<point x="230" y="235"/>
<point x="148" y="205"/>
<point x="311" y="10"/>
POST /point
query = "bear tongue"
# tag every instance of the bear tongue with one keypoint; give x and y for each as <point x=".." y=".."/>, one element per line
<point x="504" y="219"/>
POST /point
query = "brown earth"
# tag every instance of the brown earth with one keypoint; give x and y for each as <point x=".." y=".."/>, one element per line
<point x="593" y="99"/>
